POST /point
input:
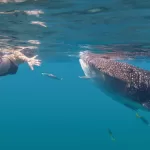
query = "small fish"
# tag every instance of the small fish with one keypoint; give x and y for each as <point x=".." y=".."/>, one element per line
<point x="52" y="76"/>
<point x="84" y="77"/>
<point x="111" y="135"/>
<point x="137" y="115"/>
<point x="143" y="119"/>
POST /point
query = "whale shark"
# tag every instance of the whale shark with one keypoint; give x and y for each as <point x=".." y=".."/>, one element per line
<point x="122" y="82"/>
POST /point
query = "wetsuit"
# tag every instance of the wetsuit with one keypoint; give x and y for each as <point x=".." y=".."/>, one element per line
<point x="7" y="66"/>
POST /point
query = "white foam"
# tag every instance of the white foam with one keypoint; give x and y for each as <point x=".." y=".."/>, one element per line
<point x="38" y="23"/>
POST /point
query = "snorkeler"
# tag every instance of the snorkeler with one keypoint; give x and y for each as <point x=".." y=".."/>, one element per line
<point x="144" y="120"/>
<point x="111" y="135"/>
<point x="52" y="76"/>
<point x="9" y="62"/>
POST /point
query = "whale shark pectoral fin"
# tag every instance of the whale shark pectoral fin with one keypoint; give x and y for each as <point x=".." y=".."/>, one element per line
<point x="146" y="105"/>
<point x="84" y="77"/>
<point x="131" y="107"/>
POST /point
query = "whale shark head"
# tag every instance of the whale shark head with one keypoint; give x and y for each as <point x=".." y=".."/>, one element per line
<point x="85" y="66"/>
<point x="89" y="70"/>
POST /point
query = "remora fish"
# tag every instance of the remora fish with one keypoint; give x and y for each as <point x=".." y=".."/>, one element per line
<point x="124" y="83"/>
<point x="52" y="76"/>
<point x="111" y="135"/>
<point x="143" y="119"/>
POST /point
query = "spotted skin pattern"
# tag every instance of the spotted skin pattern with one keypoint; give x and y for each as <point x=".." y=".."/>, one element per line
<point x="130" y="81"/>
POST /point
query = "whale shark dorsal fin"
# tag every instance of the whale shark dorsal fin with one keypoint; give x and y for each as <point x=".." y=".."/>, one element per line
<point x="147" y="105"/>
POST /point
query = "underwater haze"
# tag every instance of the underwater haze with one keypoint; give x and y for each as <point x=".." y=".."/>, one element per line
<point x="40" y="113"/>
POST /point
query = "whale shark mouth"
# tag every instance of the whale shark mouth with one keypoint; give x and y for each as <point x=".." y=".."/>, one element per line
<point x="86" y="65"/>
<point x="86" y="57"/>
<point x="90" y="65"/>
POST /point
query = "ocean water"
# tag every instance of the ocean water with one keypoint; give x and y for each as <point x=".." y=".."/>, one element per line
<point x="39" y="113"/>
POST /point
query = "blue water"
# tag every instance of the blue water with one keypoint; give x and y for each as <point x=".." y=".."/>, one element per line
<point x="40" y="113"/>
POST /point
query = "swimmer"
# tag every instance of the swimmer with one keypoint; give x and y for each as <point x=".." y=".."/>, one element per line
<point x="52" y="76"/>
<point x="144" y="120"/>
<point x="9" y="62"/>
<point x="111" y="135"/>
